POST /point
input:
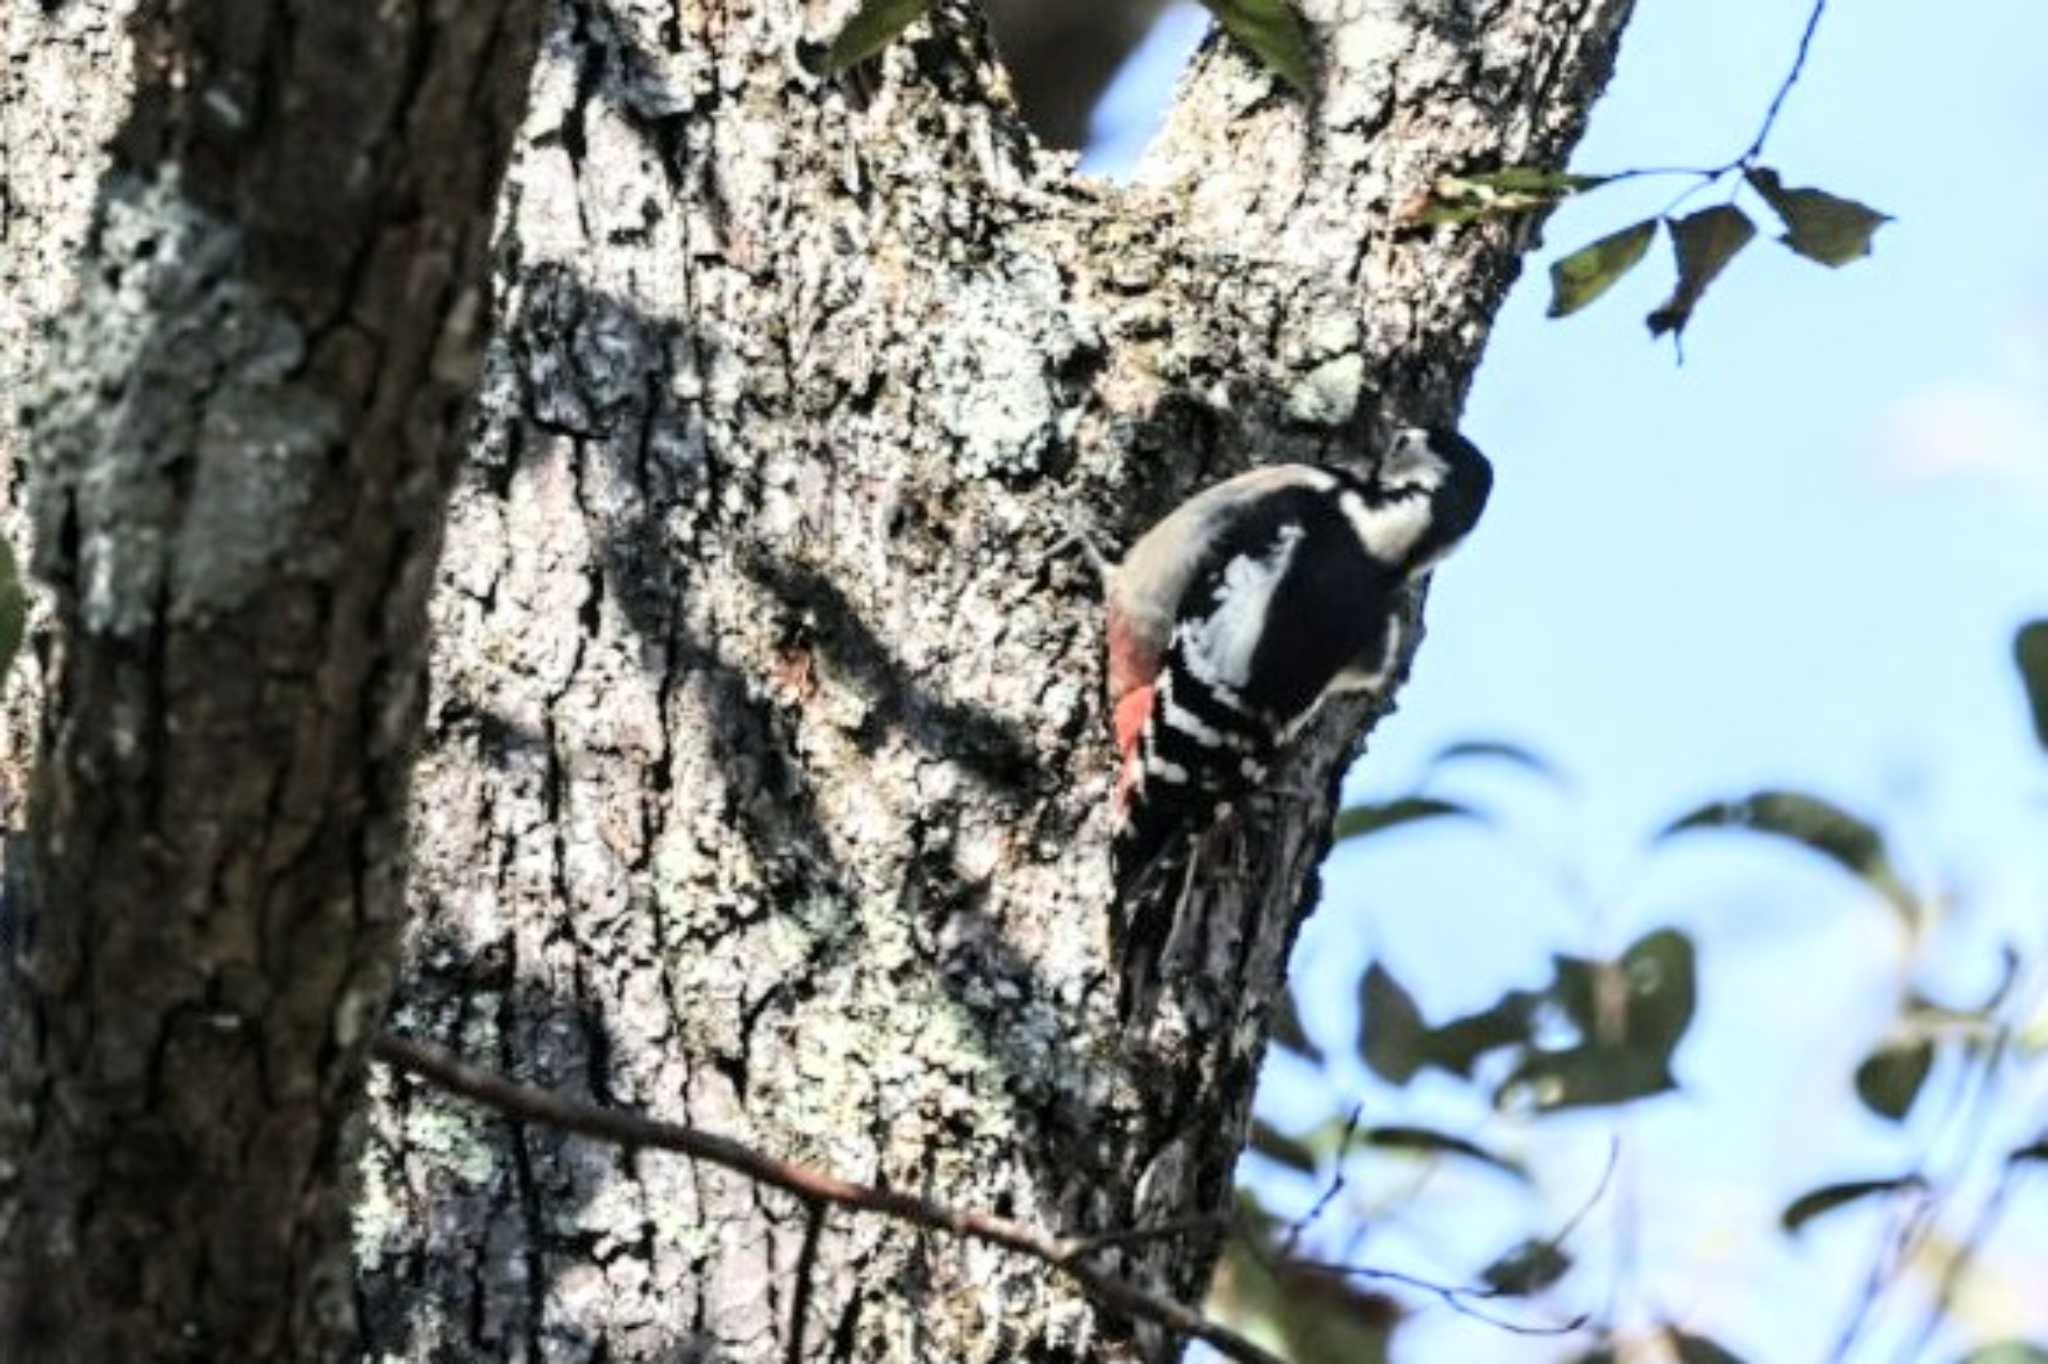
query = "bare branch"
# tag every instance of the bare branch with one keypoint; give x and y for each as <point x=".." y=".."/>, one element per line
<point x="1895" y="1252"/>
<point x="1454" y="1296"/>
<point x="1965" y="1256"/>
<point x="1755" y="148"/>
<point x="1707" y="175"/>
<point x="1459" y="1298"/>
<point x="1571" y="1223"/>
<point x="1323" y="1200"/>
<point x="1900" y="1236"/>
<point x="815" y="1187"/>
<point x="1988" y="1214"/>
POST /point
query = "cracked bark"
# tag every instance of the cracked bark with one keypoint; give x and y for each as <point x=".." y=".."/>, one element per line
<point x="765" y="776"/>
<point x="244" y="430"/>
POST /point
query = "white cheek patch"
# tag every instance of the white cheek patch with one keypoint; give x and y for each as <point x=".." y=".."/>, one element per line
<point x="1389" y="531"/>
<point x="1413" y="463"/>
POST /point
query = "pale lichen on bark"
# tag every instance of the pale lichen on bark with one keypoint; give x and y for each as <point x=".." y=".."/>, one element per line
<point x="765" y="786"/>
<point x="62" y="93"/>
<point x="1003" y="345"/>
<point x="177" y="451"/>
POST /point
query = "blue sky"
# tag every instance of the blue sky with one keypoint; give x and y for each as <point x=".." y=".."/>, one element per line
<point x="1797" y="560"/>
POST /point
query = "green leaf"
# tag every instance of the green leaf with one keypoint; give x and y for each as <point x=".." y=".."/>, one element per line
<point x="1659" y="972"/>
<point x="1332" y="1323"/>
<point x="1890" y="1078"/>
<point x="1496" y="194"/>
<point x="1536" y="180"/>
<point x="1590" y="271"/>
<point x="2030" y="652"/>
<point x="1356" y="821"/>
<point x="2037" y="1150"/>
<point x="873" y="27"/>
<point x="1390" y="1028"/>
<point x="1818" y="225"/>
<point x="1496" y="750"/>
<point x="13" y="609"/>
<point x="1315" y="1316"/>
<point x="1286" y="1029"/>
<point x="1396" y="1138"/>
<point x="1458" y="1044"/>
<point x="1850" y="843"/>
<point x="1632" y="1013"/>
<point x="1652" y="985"/>
<point x="1277" y="1146"/>
<point x="1326" y="1319"/>
<point x="1693" y="1349"/>
<point x="1585" y="1077"/>
<point x="1396" y="1043"/>
<point x="1528" y="1268"/>
<point x="1272" y="30"/>
<point x="1829" y="1197"/>
<point x="2008" y="1352"/>
<point x="1704" y="243"/>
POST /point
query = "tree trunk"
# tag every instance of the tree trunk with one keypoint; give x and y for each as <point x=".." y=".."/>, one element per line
<point x="244" y="433"/>
<point x="767" y="779"/>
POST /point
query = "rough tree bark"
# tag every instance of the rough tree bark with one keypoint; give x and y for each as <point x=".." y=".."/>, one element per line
<point x="766" y="776"/>
<point x="244" y="433"/>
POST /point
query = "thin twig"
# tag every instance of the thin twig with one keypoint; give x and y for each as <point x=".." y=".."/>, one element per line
<point x="1626" y="1243"/>
<point x="1459" y="1298"/>
<point x="814" y="1187"/>
<point x="1975" y="1094"/>
<point x="1958" y="1267"/>
<point x="1755" y="148"/>
<point x="1899" y="1240"/>
<point x="1571" y="1224"/>
<point x="1748" y="155"/>
<point x="1455" y="1296"/>
<point x="1306" y="1220"/>
<point x="806" y="1261"/>
<point x="1994" y="1206"/>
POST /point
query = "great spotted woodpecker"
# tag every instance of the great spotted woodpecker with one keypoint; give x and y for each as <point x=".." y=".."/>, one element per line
<point x="1232" y="619"/>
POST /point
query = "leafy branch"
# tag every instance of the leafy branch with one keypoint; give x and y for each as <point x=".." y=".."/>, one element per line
<point x="1820" y="226"/>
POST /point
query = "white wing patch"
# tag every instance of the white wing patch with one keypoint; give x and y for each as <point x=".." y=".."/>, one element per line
<point x="1219" y="646"/>
<point x="1147" y="587"/>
